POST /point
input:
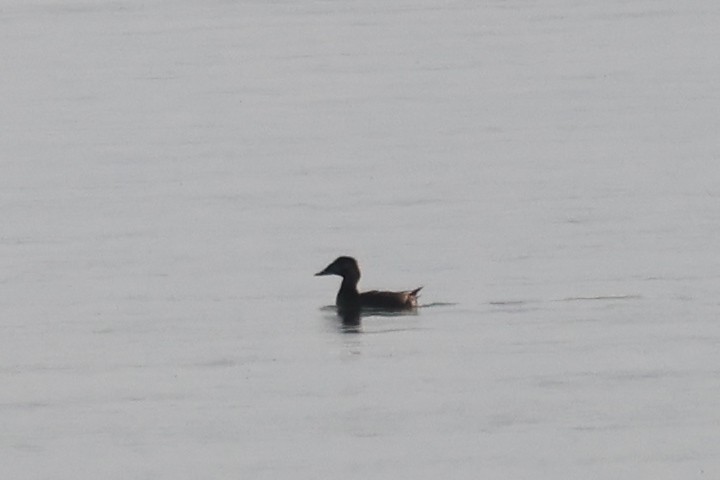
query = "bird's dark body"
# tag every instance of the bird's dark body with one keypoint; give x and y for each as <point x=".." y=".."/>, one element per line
<point x="349" y="299"/>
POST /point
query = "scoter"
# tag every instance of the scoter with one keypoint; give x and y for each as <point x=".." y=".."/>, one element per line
<point x="349" y="299"/>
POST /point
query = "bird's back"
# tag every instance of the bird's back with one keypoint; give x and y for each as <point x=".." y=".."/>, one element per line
<point x="390" y="300"/>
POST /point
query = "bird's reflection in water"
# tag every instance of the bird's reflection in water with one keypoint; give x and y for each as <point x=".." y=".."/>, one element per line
<point x="347" y="321"/>
<point x="350" y="321"/>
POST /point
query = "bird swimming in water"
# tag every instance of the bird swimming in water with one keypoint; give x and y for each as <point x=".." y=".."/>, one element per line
<point x="349" y="299"/>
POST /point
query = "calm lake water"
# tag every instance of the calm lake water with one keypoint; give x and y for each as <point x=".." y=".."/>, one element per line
<point x="174" y="173"/>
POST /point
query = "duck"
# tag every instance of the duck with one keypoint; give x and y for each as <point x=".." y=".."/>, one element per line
<point x="350" y="300"/>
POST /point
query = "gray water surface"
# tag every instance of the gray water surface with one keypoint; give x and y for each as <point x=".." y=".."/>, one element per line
<point x="173" y="173"/>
